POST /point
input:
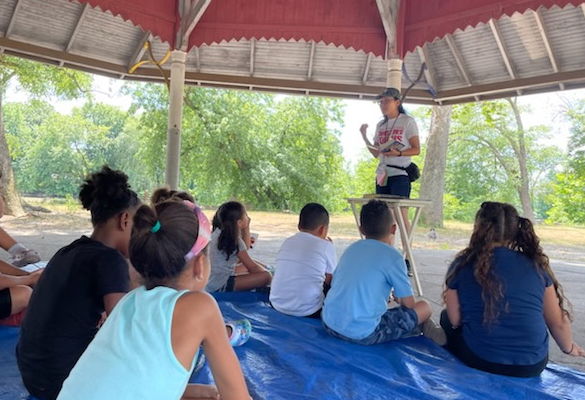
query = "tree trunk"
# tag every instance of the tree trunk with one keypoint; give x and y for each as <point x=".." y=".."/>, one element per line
<point x="524" y="185"/>
<point x="433" y="177"/>
<point x="12" y="202"/>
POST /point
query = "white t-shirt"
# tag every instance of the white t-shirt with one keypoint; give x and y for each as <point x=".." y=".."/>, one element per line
<point x="301" y="265"/>
<point x="395" y="133"/>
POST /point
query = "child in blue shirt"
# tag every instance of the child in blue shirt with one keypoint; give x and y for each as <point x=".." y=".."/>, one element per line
<point x="502" y="296"/>
<point x="356" y="307"/>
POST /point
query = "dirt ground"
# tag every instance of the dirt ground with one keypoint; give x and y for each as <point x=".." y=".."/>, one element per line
<point x="47" y="232"/>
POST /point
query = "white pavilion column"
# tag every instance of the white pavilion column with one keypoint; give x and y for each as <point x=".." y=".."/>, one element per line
<point x="176" y="93"/>
<point x="394" y="73"/>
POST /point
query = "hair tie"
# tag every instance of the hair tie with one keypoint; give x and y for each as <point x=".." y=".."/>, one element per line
<point x="155" y="228"/>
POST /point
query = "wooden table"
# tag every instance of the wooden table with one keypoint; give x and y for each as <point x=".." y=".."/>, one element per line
<point x="406" y="236"/>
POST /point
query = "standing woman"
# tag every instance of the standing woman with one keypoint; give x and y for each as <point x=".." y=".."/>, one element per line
<point x="395" y="142"/>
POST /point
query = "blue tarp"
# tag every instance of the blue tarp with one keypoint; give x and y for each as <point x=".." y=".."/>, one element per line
<point x="293" y="358"/>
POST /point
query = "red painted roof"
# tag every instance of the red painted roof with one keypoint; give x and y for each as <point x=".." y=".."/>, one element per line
<point x="157" y="16"/>
<point x="349" y="23"/>
<point x="427" y="20"/>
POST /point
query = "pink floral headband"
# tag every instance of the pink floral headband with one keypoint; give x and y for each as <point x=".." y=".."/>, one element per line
<point x="204" y="235"/>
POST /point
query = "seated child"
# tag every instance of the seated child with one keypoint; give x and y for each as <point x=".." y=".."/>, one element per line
<point x="165" y="193"/>
<point x="15" y="290"/>
<point x="238" y="331"/>
<point x="19" y="254"/>
<point x="356" y="307"/>
<point x="148" y="347"/>
<point x="227" y="247"/>
<point x="304" y="266"/>
<point x="502" y="295"/>
<point x="81" y="282"/>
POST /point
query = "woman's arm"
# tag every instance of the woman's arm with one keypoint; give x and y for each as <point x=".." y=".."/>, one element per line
<point x="453" y="310"/>
<point x="559" y="325"/>
<point x="369" y="145"/>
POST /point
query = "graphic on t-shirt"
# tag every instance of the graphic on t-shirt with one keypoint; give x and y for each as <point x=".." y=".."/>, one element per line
<point x="396" y="136"/>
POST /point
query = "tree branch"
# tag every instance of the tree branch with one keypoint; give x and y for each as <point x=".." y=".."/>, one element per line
<point x="495" y="152"/>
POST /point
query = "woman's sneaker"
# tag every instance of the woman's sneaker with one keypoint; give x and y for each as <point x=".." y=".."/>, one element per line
<point x="434" y="332"/>
<point x="241" y="330"/>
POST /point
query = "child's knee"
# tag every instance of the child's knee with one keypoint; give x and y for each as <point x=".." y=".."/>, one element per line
<point x="20" y="296"/>
<point x="268" y="278"/>
<point x="423" y="310"/>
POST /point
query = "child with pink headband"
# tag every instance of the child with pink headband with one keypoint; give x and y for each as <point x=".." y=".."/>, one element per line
<point x="148" y="347"/>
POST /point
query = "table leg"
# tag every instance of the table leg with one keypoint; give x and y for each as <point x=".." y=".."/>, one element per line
<point x="406" y="247"/>
<point x="357" y="220"/>
<point x="413" y="224"/>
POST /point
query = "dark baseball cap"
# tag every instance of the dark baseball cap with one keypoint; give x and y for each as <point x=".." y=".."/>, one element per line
<point x="389" y="92"/>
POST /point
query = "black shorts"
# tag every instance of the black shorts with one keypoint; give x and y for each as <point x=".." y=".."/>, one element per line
<point x="398" y="185"/>
<point x="5" y="303"/>
<point x="229" y="285"/>
<point x="457" y="346"/>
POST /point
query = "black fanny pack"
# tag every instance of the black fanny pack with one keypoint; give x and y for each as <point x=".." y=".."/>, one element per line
<point x="412" y="171"/>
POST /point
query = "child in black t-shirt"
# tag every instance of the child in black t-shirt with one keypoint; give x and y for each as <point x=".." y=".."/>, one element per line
<point x="81" y="282"/>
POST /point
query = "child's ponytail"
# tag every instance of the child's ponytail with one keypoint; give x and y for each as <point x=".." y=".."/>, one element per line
<point x="228" y="215"/>
<point x="161" y="237"/>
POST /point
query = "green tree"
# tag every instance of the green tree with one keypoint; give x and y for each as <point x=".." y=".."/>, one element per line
<point x="38" y="80"/>
<point x="568" y="191"/>
<point x="269" y="152"/>
<point x="53" y="152"/>
<point x="492" y="156"/>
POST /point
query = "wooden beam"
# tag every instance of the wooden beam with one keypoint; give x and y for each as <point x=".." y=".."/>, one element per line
<point x="189" y="22"/>
<point x="140" y="49"/>
<point x="311" y="59"/>
<point x="503" y="50"/>
<point x="82" y="15"/>
<point x="12" y="21"/>
<point x="513" y="85"/>
<point x="502" y="47"/>
<point x="458" y="58"/>
<point x="545" y="40"/>
<point x="425" y="58"/>
<point x="484" y="92"/>
<point x="252" y="55"/>
<point x="387" y="10"/>
<point x="544" y="36"/>
<point x="367" y="69"/>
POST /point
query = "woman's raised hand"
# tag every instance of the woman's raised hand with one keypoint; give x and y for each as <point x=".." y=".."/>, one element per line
<point x="364" y="129"/>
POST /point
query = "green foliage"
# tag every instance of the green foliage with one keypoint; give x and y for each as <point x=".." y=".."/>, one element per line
<point x="567" y="196"/>
<point x="52" y="153"/>
<point x="43" y="80"/>
<point x="482" y="162"/>
<point x="267" y="152"/>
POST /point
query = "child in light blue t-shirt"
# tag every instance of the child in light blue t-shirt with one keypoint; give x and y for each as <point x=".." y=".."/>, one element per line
<point x="356" y="307"/>
<point x="148" y="347"/>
